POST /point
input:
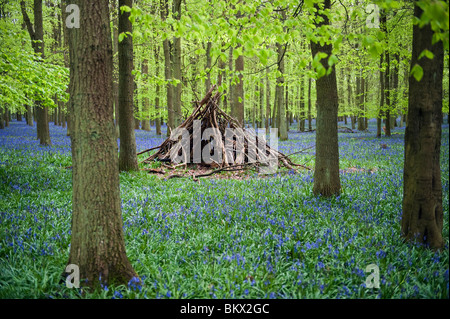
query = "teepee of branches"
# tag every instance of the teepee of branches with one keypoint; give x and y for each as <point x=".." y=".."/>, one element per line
<point x="211" y="138"/>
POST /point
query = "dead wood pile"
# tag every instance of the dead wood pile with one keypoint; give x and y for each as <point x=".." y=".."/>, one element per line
<point x="237" y="153"/>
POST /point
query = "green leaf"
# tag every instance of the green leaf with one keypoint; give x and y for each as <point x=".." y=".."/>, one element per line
<point x="417" y="72"/>
<point x="125" y="8"/>
<point x="121" y="36"/>
<point x="426" y="53"/>
<point x="332" y="60"/>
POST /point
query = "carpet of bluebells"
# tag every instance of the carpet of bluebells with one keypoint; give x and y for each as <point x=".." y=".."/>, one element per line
<point x="225" y="238"/>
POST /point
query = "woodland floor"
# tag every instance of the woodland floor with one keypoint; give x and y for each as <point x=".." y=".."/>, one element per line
<point x="222" y="236"/>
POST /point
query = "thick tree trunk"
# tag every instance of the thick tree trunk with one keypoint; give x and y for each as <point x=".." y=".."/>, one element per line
<point x="422" y="218"/>
<point x="127" y="154"/>
<point x="326" y="172"/>
<point x="97" y="241"/>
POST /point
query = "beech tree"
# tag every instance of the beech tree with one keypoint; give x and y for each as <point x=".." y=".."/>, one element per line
<point x="326" y="172"/>
<point x="97" y="242"/>
<point x="422" y="217"/>
<point x="36" y="33"/>
<point x="127" y="154"/>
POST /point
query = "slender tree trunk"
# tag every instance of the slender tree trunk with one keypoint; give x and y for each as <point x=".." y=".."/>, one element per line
<point x="349" y="94"/>
<point x="29" y="116"/>
<point x="360" y="100"/>
<point x="309" y="103"/>
<point x="267" y="101"/>
<point x="387" y="113"/>
<point x="395" y="92"/>
<point x="157" y="92"/>
<point x="230" y="85"/>
<point x="280" y="95"/>
<point x="97" y="240"/>
<point x="238" y="91"/>
<point x="37" y="39"/>
<point x="208" y="67"/>
<point x="127" y="154"/>
<point x="136" y="114"/>
<point x="2" y="119"/>
<point x="177" y="68"/>
<point x="145" y="101"/>
<point x="262" y="119"/>
<point x="326" y="172"/>
<point x="380" y="109"/>
<point x="115" y="65"/>
<point x="422" y="218"/>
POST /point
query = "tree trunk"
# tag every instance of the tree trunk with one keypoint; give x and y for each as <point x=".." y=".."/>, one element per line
<point x="238" y="91"/>
<point x="262" y="119"/>
<point x="127" y="154"/>
<point x="309" y="101"/>
<point x="29" y="116"/>
<point x="115" y="65"/>
<point x="177" y="68"/>
<point x="281" y="107"/>
<point x="157" y="92"/>
<point x="37" y="39"/>
<point x="380" y="110"/>
<point x="383" y="26"/>
<point x="208" y="67"/>
<point x="422" y="218"/>
<point x="395" y="110"/>
<point x="267" y="101"/>
<point x="326" y="172"/>
<point x="349" y="96"/>
<point x="360" y="99"/>
<point x="97" y="241"/>
<point x="145" y="101"/>
<point x="2" y="119"/>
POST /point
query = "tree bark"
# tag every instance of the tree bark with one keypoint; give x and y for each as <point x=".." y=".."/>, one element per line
<point x="127" y="154"/>
<point x="168" y="72"/>
<point x="309" y="102"/>
<point x="145" y="101"/>
<point x="37" y="42"/>
<point x="238" y="92"/>
<point x="422" y="217"/>
<point x="380" y="110"/>
<point x="97" y="241"/>
<point x="387" y="113"/>
<point x="157" y="92"/>
<point x="177" y="68"/>
<point x="267" y="101"/>
<point x="281" y="107"/>
<point x="326" y="172"/>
